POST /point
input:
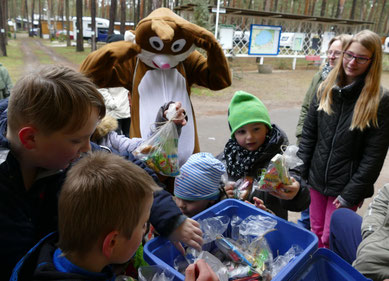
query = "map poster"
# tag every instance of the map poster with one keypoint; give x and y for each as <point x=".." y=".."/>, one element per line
<point x="264" y="39"/>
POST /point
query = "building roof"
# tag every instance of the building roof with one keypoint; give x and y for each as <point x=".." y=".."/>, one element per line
<point x="266" y="14"/>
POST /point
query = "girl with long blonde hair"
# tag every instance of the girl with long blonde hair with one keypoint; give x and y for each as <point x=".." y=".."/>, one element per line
<point x="346" y="133"/>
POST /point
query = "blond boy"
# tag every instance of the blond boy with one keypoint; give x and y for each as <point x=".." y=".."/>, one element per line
<point x="50" y="116"/>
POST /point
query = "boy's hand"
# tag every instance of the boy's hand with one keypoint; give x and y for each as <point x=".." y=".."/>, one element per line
<point x="180" y="114"/>
<point x="287" y="192"/>
<point x="260" y="205"/>
<point x="188" y="232"/>
<point x="229" y="188"/>
<point x="200" y="271"/>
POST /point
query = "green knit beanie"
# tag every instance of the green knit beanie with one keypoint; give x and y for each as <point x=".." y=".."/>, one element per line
<point x="245" y="109"/>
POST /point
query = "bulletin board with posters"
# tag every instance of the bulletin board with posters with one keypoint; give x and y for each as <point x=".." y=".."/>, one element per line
<point x="264" y="39"/>
<point x="226" y="35"/>
<point x="298" y="41"/>
<point x="327" y="36"/>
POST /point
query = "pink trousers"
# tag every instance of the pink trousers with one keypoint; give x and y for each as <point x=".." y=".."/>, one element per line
<point x="321" y="210"/>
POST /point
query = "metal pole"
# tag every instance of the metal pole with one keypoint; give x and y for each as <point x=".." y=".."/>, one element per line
<point x="217" y="17"/>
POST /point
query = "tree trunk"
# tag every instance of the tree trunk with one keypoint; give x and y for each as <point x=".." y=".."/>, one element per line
<point x="339" y="10"/>
<point x="386" y="27"/>
<point x="86" y="8"/>
<point x="306" y="7"/>
<point x="138" y="10"/>
<point x="5" y="19"/>
<point x="40" y="18"/>
<point x="149" y="7"/>
<point x="93" y="23"/>
<point x="68" y="24"/>
<point x="141" y="9"/>
<point x="80" y="39"/>
<point x="291" y="7"/>
<point x="135" y="20"/>
<point x="102" y="14"/>
<point x="372" y="10"/>
<point x="122" y="16"/>
<point x="266" y="5"/>
<point x="275" y="7"/>
<point x="323" y="8"/>
<point x="49" y="18"/>
<point x="60" y="13"/>
<point x="313" y="5"/>
<point x="112" y="16"/>
<point x="352" y="10"/>
<point x="381" y="26"/>
<point x="26" y="16"/>
<point x="3" y="46"/>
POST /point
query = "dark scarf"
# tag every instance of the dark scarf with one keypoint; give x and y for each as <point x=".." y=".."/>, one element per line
<point x="325" y="71"/>
<point x="239" y="160"/>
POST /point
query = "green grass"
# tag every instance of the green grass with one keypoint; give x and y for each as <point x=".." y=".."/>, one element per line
<point x="71" y="54"/>
<point x="43" y="57"/>
<point x="14" y="61"/>
<point x="204" y="92"/>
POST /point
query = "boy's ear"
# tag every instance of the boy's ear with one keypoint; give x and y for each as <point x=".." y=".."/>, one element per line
<point x="109" y="243"/>
<point x="27" y="137"/>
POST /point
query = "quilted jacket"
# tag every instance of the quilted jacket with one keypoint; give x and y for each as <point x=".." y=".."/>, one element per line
<point x="338" y="161"/>
<point x="373" y="252"/>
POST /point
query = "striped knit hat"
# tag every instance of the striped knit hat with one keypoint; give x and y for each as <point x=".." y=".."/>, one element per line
<point x="199" y="178"/>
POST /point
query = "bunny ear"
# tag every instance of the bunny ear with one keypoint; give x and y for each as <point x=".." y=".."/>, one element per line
<point x="162" y="29"/>
<point x="195" y="30"/>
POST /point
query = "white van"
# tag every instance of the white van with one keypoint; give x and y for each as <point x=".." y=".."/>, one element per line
<point x="101" y="31"/>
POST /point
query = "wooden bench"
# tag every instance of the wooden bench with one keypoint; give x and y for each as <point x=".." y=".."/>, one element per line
<point x="313" y="60"/>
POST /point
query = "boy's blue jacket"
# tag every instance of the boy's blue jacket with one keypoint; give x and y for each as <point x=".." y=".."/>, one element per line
<point x="27" y="216"/>
<point x="38" y="264"/>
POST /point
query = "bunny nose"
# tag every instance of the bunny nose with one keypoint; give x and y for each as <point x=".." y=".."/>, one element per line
<point x="165" y="66"/>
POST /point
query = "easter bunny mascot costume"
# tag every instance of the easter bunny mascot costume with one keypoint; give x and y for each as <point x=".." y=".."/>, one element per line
<point x="160" y="66"/>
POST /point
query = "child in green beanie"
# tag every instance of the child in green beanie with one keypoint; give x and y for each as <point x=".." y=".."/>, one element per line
<point x="253" y="143"/>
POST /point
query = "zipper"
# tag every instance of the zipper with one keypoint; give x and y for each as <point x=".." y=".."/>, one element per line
<point x="332" y="145"/>
<point x="164" y="90"/>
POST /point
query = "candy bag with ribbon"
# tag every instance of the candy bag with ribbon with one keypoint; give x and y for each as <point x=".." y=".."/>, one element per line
<point x="160" y="151"/>
<point x="277" y="173"/>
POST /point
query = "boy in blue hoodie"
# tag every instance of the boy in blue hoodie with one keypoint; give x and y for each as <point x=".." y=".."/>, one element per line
<point x="103" y="209"/>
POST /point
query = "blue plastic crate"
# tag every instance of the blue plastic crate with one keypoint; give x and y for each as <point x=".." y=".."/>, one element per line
<point x="325" y="265"/>
<point x="161" y="252"/>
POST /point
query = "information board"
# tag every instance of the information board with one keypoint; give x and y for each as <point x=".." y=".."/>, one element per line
<point x="264" y="39"/>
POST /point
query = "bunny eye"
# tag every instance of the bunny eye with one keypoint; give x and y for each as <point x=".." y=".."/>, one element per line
<point x="178" y="45"/>
<point x="156" y="43"/>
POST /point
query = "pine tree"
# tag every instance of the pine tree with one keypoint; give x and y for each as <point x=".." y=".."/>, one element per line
<point x="201" y="14"/>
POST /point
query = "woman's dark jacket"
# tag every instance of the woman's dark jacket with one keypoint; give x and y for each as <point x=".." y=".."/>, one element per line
<point x="338" y="161"/>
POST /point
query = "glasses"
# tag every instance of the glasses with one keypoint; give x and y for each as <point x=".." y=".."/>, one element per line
<point x="335" y="54"/>
<point x="359" y="60"/>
